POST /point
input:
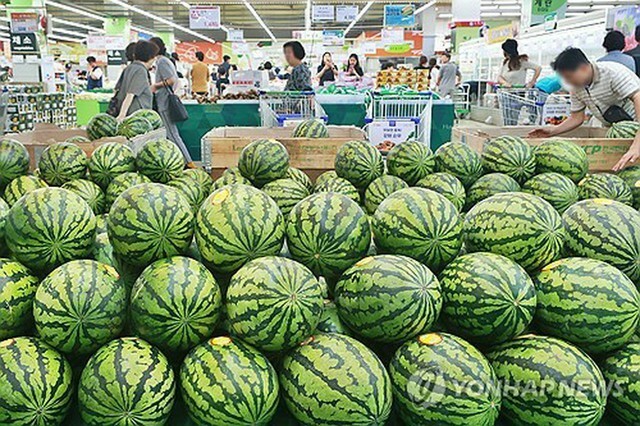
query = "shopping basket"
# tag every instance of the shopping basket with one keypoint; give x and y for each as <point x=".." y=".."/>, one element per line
<point x="521" y="106"/>
<point x="280" y="108"/>
<point x="462" y="100"/>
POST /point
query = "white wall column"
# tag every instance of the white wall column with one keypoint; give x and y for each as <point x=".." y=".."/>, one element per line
<point x="428" y="21"/>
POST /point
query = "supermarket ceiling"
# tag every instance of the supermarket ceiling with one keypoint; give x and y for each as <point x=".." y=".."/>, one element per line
<point x="258" y="18"/>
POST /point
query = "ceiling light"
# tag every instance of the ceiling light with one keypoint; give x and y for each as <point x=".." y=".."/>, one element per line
<point x="260" y="21"/>
<point x="425" y="7"/>
<point x="360" y="15"/>
<point x="68" y="32"/>
<point x="76" y="24"/>
<point x="307" y="16"/>
<point x="63" y="38"/>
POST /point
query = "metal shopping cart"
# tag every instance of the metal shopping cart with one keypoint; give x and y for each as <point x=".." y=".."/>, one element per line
<point x="521" y="106"/>
<point x="462" y="101"/>
<point x="278" y="109"/>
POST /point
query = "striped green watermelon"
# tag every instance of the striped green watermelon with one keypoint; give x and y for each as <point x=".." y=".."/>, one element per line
<point x="90" y="192"/>
<point x="426" y="375"/>
<point x="489" y="185"/>
<point x="622" y="369"/>
<point x="17" y="290"/>
<point x="546" y="381"/>
<point x="360" y="163"/>
<point x="14" y="161"/>
<point x="421" y="224"/>
<point x="103" y="250"/>
<point x="522" y="227"/>
<point x="62" y="162"/>
<point x="509" y="155"/>
<point x="459" y="160"/>
<point x="235" y="170"/>
<point x="20" y="186"/>
<point x="388" y="298"/>
<point x="35" y="383"/>
<point x="333" y="379"/>
<point x="201" y="177"/>
<point x="447" y="185"/>
<point x="338" y="185"/>
<point x="102" y="126"/>
<point x="226" y="382"/>
<point x="78" y="140"/>
<point x="149" y="222"/>
<point x="229" y="179"/>
<point x="273" y="303"/>
<point x="558" y="190"/>
<point x="605" y="230"/>
<point x="605" y="185"/>
<point x="4" y="211"/>
<point x="286" y="193"/>
<point x="488" y="298"/>
<point x="80" y="306"/>
<point x="624" y="130"/>
<point x="263" y="161"/>
<point x="236" y="224"/>
<point x="631" y="175"/>
<point x="380" y="189"/>
<point x="101" y="223"/>
<point x="49" y="227"/>
<point x="110" y="160"/>
<point x="311" y="129"/>
<point x="133" y="126"/>
<point x="160" y="160"/>
<point x="194" y="193"/>
<point x="328" y="233"/>
<point x="588" y="303"/>
<point x="563" y="157"/>
<point x="127" y="382"/>
<point x="151" y="116"/>
<point x="411" y="161"/>
<point x="329" y="174"/>
<point x="330" y="321"/>
<point x="300" y="177"/>
<point x="121" y="183"/>
<point x="175" y="304"/>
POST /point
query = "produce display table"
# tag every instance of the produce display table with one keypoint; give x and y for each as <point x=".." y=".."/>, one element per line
<point x="344" y="110"/>
<point x="443" y="117"/>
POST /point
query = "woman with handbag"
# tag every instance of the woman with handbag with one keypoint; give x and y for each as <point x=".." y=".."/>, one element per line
<point x="133" y="91"/>
<point x="166" y="100"/>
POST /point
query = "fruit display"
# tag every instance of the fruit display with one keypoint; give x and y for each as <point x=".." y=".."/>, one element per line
<point x="411" y="161"/>
<point x="359" y="163"/>
<point x="110" y="160"/>
<point x="263" y="161"/>
<point x="558" y="190"/>
<point x="379" y="190"/>
<point x="623" y="130"/>
<point x="20" y="186"/>
<point x="160" y="160"/>
<point x="338" y="185"/>
<point x="62" y="162"/>
<point x="151" y="116"/>
<point x="605" y="185"/>
<point x="90" y="192"/>
<point x="489" y="185"/>
<point x="312" y="129"/>
<point x="563" y="157"/>
<point x="102" y="126"/>
<point x="447" y="185"/>
<point x="460" y="161"/>
<point x="134" y="125"/>
<point x="14" y="161"/>
<point x="511" y="156"/>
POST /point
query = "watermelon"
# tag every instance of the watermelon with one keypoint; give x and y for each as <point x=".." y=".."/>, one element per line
<point x="175" y="304"/>
<point x="273" y="303"/>
<point x="20" y="186"/>
<point x="380" y="189"/>
<point x="631" y="175"/>
<point x="605" y="185"/>
<point x="90" y="192"/>
<point x="101" y="223"/>
<point x="62" y="162"/>
<point x="425" y="374"/>
<point x="103" y="250"/>
<point x="133" y="126"/>
<point x="489" y="185"/>
<point x="4" y="211"/>
<point x="192" y="191"/>
<point x="149" y="222"/>
<point x="624" y="130"/>
<point x="14" y="161"/>
<point x="605" y="230"/>
<point x="300" y="177"/>
<point x="459" y="160"/>
<point x="78" y="140"/>
<point x="330" y="321"/>
<point x="201" y="177"/>
<point x="558" y="190"/>
<point x="80" y="306"/>
<point x="263" y="161"/>
<point x="622" y="369"/>
<point x="488" y="298"/>
<point x="311" y="129"/>
<point x="421" y="224"/>
<point x="588" y="303"/>
<point x="329" y="174"/>
<point x="338" y="185"/>
<point x="229" y="179"/>
<point x="546" y="381"/>
<point x="522" y="227"/>
<point x="236" y="224"/>
<point x="235" y="170"/>
<point x="510" y="155"/>
<point x="388" y="298"/>
<point x="160" y="160"/>
<point x="102" y="126"/>
<point x="334" y="379"/>
<point x="17" y="290"/>
<point x="121" y="183"/>
<point x="563" y="157"/>
<point x="447" y="185"/>
<point x="49" y="227"/>
<point x="110" y="160"/>
<point x="286" y="193"/>
<point x="411" y="161"/>
<point x="127" y="381"/>
<point x="35" y="383"/>
<point x="226" y="382"/>
<point x="151" y="116"/>
<point x="360" y="163"/>
<point x="328" y="233"/>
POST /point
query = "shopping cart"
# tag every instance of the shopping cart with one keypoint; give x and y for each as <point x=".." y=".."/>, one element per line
<point x="278" y="109"/>
<point x="521" y="106"/>
<point x="462" y="101"/>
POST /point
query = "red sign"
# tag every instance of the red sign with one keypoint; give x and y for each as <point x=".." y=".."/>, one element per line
<point x="212" y="51"/>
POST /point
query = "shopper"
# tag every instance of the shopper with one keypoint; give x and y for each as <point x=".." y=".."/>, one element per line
<point x="423" y="64"/>
<point x="268" y="66"/>
<point x="327" y="70"/>
<point x="610" y="91"/>
<point x="434" y="71"/>
<point x="129" y="52"/>
<point x="353" y="67"/>
<point x="635" y="52"/>
<point x="300" y="76"/>
<point x="94" y="74"/>
<point x="449" y="76"/>
<point x="133" y="91"/>
<point x="200" y="76"/>
<point x="614" y="43"/>
<point x="225" y="66"/>
<point x="166" y="83"/>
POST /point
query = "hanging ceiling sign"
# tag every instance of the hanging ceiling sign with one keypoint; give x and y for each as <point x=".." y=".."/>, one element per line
<point x="115" y="42"/>
<point x="399" y="15"/>
<point x="204" y="17"/>
<point x="347" y="13"/>
<point x="333" y="37"/>
<point x="116" y="57"/>
<point x="392" y="36"/>
<point x="235" y="35"/>
<point x="322" y="13"/>
<point x="24" y="43"/>
<point x="24" y="22"/>
<point x="96" y="42"/>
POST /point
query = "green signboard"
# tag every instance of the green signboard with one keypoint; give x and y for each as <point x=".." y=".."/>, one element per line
<point x="537" y="12"/>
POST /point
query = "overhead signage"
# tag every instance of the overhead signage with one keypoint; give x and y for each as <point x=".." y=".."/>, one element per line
<point x="333" y="38"/>
<point x="24" y="22"/>
<point x="235" y="35"/>
<point x="347" y="13"/>
<point x="536" y="12"/>
<point x="399" y="15"/>
<point x="204" y="17"/>
<point x="24" y="43"/>
<point x="322" y="13"/>
<point x="96" y="42"/>
<point x="115" y="42"/>
<point x="116" y="57"/>
<point x="392" y="35"/>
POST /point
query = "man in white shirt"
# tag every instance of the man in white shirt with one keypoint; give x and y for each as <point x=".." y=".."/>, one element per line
<point x="610" y="91"/>
<point x="94" y="74"/>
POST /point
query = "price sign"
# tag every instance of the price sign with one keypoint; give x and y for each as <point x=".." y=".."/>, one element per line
<point x="204" y="17"/>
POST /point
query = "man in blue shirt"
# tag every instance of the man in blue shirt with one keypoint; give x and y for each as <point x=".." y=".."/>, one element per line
<point x="635" y="52"/>
<point x="614" y="43"/>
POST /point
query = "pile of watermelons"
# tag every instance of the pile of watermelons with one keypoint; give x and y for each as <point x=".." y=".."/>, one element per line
<point x="442" y="288"/>
<point x="140" y="122"/>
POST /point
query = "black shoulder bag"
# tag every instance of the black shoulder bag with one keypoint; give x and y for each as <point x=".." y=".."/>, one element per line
<point x="177" y="111"/>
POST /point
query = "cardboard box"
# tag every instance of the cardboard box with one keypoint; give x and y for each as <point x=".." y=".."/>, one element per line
<point x="603" y="153"/>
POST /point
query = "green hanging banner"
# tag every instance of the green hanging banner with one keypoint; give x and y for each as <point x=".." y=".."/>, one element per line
<point x="536" y="12"/>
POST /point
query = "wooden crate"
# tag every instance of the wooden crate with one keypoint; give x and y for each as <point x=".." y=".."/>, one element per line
<point x="603" y="153"/>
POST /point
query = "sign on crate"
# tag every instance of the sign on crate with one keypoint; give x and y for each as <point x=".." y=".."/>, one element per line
<point x="386" y="134"/>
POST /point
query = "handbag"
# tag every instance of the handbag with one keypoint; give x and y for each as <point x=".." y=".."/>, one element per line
<point x="177" y="111"/>
<point x="114" y="103"/>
